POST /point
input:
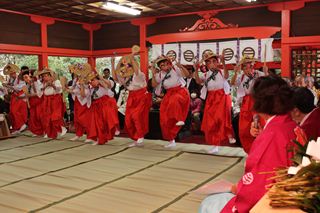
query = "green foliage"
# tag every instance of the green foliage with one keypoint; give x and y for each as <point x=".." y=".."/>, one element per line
<point x="20" y="60"/>
<point x="60" y="64"/>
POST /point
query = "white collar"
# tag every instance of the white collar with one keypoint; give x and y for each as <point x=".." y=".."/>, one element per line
<point x="268" y="121"/>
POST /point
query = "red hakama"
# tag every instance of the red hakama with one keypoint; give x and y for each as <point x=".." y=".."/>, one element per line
<point x="104" y="119"/>
<point x="53" y="110"/>
<point x="245" y="120"/>
<point x="18" y="111"/>
<point x="36" y="113"/>
<point x="216" y="122"/>
<point x="81" y="118"/>
<point x="174" y="107"/>
<point x="137" y="113"/>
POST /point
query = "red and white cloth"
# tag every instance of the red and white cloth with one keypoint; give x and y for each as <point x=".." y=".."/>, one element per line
<point x="103" y="115"/>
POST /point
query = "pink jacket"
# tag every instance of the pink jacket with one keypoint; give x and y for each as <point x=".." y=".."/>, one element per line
<point x="268" y="151"/>
<point x="195" y="105"/>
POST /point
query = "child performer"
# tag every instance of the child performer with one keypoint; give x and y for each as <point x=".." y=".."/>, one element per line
<point x="82" y="99"/>
<point x="139" y="101"/>
<point x="103" y="110"/>
<point x="176" y="101"/>
<point x="34" y="99"/>
<point x="53" y="106"/>
<point x="244" y="83"/>
<point x="216" y="122"/>
<point x="18" y="105"/>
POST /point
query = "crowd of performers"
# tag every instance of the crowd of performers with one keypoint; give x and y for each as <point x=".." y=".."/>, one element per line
<point x="270" y="111"/>
<point x="37" y="102"/>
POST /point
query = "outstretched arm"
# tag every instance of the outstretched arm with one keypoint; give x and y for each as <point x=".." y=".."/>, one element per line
<point x="234" y="77"/>
<point x="225" y="71"/>
<point x="196" y="73"/>
<point x="154" y="71"/>
<point x="184" y="71"/>
<point x="113" y="69"/>
<point x="135" y="65"/>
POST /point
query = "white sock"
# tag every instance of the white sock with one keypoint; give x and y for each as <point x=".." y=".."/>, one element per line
<point x="140" y="140"/>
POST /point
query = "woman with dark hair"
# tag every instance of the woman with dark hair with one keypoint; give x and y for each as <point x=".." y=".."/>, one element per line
<point x="270" y="150"/>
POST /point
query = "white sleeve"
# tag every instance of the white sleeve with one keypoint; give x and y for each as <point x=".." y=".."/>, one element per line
<point x="202" y="76"/>
<point x="178" y="71"/>
<point x="58" y="86"/>
<point x="18" y="87"/>
<point x="157" y="78"/>
<point x="238" y="80"/>
<point x="38" y="86"/>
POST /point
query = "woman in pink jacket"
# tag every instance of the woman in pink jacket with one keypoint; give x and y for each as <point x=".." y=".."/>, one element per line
<point x="270" y="150"/>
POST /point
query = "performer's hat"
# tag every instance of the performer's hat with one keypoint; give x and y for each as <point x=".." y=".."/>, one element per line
<point x="91" y="76"/>
<point x="209" y="54"/>
<point x="161" y="59"/>
<point x="124" y="68"/>
<point x="248" y="59"/>
<point x="44" y="71"/>
<point x="81" y="70"/>
<point x="10" y="68"/>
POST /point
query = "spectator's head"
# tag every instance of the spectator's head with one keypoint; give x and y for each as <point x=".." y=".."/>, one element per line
<point x="190" y="69"/>
<point x="303" y="101"/>
<point x="299" y="81"/>
<point x="309" y="82"/>
<point x="194" y="94"/>
<point x="272" y="96"/>
<point x="24" y="69"/>
<point x="106" y="73"/>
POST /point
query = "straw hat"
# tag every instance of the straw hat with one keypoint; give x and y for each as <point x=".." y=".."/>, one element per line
<point x="44" y="71"/>
<point x="80" y="70"/>
<point x="161" y="59"/>
<point x="10" y="68"/>
<point x="135" y="49"/>
<point x="248" y="59"/>
<point x="208" y="54"/>
<point x="91" y="76"/>
<point x="124" y="67"/>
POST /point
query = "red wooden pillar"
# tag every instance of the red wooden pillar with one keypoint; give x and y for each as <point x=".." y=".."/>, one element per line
<point x="142" y="23"/>
<point x="286" y="8"/>
<point x="43" y="57"/>
<point x="285" y="49"/>
<point x="91" y="28"/>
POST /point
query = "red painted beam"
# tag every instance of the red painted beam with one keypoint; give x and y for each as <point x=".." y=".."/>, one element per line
<point x="112" y="52"/>
<point x="293" y="5"/>
<point x="36" y="50"/>
<point x="305" y="40"/>
<point x="256" y="32"/>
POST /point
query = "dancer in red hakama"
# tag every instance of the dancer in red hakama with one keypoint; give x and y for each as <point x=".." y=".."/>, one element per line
<point x="216" y="122"/>
<point x="139" y="101"/>
<point x="52" y="106"/>
<point x="103" y="111"/>
<point x="82" y="99"/>
<point x="18" y="102"/>
<point x="176" y="101"/>
<point x="35" y="104"/>
<point x="244" y="83"/>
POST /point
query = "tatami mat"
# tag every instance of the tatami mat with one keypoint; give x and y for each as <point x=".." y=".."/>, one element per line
<point x="64" y="176"/>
